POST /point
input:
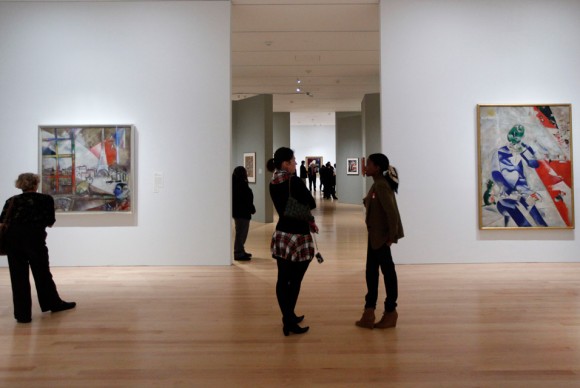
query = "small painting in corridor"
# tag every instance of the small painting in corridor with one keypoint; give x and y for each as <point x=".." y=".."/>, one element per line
<point x="250" y="165"/>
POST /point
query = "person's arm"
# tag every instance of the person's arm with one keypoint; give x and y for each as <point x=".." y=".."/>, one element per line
<point x="251" y="201"/>
<point x="4" y="211"/>
<point x="529" y="155"/>
<point x="387" y="201"/>
<point x="50" y="217"/>
<point x="301" y="193"/>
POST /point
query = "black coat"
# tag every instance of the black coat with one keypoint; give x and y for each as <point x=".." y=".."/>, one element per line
<point x="242" y="199"/>
<point x="303" y="172"/>
<point x="280" y="193"/>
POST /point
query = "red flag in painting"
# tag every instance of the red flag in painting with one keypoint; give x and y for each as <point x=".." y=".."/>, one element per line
<point x="544" y="114"/>
<point x="110" y="151"/>
<point x="552" y="173"/>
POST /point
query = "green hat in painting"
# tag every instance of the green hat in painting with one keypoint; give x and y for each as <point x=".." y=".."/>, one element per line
<point x="516" y="134"/>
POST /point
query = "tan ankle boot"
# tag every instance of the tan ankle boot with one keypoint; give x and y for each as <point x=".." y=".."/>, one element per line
<point x="389" y="319"/>
<point x="368" y="319"/>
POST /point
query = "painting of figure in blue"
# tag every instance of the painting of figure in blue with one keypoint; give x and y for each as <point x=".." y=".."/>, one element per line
<point x="87" y="169"/>
<point x="525" y="167"/>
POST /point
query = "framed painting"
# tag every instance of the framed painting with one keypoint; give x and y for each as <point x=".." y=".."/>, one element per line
<point x="316" y="159"/>
<point x="352" y="167"/>
<point x="525" y="166"/>
<point x="87" y="168"/>
<point x="250" y="165"/>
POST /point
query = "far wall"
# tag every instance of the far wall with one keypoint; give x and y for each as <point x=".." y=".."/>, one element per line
<point x="312" y="140"/>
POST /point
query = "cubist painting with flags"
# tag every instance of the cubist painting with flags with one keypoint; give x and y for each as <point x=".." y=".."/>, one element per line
<point x="525" y="166"/>
<point x="87" y="168"/>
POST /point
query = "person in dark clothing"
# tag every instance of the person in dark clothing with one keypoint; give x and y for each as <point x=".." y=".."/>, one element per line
<point x="28" y="215"/>
<point x="312" y="170"/>
<point x="292" y="244"/>
<point x="303" y="172"/>
<point x="242" y="210"/>
<point x="328" y="178"/>
<point x="332" y="181"/>
<point x="385" y="228"/>
<point x="322" y="174"/>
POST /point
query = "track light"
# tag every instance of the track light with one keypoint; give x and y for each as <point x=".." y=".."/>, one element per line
<point x="298" y="89"/>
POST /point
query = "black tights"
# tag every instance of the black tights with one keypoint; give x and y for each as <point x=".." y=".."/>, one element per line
<point x="290" y="275"/>
<point x="381" y="258"/>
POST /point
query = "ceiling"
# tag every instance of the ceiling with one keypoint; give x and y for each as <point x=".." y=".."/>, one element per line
<point x="332" y="46"/>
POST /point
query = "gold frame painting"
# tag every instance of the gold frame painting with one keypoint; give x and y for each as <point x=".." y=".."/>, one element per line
<point x="525" y="169"/>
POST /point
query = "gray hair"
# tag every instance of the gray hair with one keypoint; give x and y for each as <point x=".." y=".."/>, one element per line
<point x="27" y="181"/>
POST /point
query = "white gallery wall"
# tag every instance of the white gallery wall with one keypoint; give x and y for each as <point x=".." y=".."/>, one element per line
<point x="162" y="66"/>
<point x="313" y="140"/>
<point x="439" y="59"/>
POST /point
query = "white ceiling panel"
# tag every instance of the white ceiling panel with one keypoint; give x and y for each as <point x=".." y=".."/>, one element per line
<point x="350" y="81"/>
<point x="300" y="71"/>
<point x="296" y="18"/>
<point x="304" y="2"/>
<point x="306" y="41"/>
<point x="284" y="58"/>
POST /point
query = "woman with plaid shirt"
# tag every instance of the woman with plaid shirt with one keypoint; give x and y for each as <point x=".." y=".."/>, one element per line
<point x="292" y="245"/>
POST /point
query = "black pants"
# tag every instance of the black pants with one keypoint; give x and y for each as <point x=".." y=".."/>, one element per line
<point x="312" y="181"/>
<point x="329" y="191"/>
<point x="28" y="249"/>
<point x="381" y="258"/>
<point x="290" y="275"/>
<point x="242" y="229"/>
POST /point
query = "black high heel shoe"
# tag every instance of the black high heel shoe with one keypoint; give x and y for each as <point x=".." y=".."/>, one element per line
<point x="298" y="319"/>
<point x="294" y="329"/>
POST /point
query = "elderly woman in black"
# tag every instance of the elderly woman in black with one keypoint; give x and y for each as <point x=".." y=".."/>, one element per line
<point x="28" y="215"/>
<point x="292" y="245"/>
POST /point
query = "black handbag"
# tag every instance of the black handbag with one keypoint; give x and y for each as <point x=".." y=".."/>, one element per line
<point x="295" y="209"/>
<point x="4" y="229"/>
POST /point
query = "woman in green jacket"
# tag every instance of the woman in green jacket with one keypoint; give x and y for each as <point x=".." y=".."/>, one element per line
<point x="384" y="228"/>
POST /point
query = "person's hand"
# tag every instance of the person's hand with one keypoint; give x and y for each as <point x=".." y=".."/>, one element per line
<point x="313" y="227"/>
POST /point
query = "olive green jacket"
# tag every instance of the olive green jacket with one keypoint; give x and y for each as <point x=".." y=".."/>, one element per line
<point x="383" y="220"/>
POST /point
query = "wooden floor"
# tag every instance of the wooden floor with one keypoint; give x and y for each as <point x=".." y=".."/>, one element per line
<point x="511" y="325"/>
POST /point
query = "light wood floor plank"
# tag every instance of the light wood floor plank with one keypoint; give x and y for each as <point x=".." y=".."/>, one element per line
<point x="496" y="325"/>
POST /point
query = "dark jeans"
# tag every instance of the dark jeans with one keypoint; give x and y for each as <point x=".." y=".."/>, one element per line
<point x="290" y="275"/>
<point x="242" y="229"/>
<point x="381" y="258"/>
<point x="29" y="250"/>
